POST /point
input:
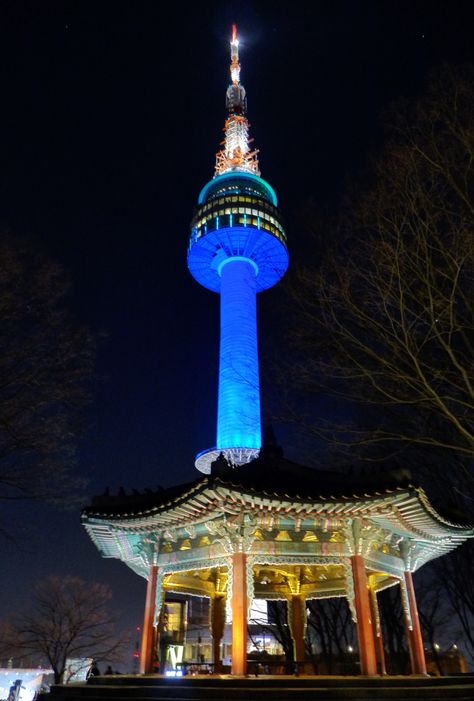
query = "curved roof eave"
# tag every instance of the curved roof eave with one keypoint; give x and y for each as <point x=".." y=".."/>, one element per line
<point x="211" y="483"/>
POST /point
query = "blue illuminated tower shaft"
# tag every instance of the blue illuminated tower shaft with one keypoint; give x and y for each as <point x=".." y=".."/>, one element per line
<point x="237" y="249"/>
<point x="238" y="414"/>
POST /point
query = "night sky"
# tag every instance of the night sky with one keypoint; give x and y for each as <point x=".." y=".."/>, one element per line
<point x="111" y="114"/>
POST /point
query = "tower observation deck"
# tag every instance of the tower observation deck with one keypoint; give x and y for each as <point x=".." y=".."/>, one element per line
<point x="237" y="248"/>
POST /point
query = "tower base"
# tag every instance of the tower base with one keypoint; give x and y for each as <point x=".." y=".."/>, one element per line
<point x="234" y="456"/>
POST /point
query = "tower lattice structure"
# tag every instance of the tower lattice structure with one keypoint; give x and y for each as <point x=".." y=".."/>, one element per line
<point x="237" y="248"/>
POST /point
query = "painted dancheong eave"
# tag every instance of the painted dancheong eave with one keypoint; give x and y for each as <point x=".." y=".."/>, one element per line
<point x="400" y="514"/>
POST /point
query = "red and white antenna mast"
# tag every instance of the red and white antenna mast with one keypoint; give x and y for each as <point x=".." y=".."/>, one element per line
<point x="236" y="154"/>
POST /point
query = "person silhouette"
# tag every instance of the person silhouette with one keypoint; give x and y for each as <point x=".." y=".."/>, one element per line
<point x="94" y="670"/>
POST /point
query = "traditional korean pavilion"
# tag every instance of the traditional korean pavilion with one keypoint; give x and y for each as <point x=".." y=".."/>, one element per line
<point x="273" y="529"/>
<point x="254" y="524"/>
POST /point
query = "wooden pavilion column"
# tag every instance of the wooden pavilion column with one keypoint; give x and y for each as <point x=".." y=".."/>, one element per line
<point x="239" y="613"/>
<point x="217" y="629"/>
<point x="415" y="639"/>
<point x="365" y="632"/>
<point x="297" y="603"/>
<point x="378" y="637"/>
<point x="148" y="645"/>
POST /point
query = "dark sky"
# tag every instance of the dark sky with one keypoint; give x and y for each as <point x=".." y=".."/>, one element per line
<point x="111" y="114"/>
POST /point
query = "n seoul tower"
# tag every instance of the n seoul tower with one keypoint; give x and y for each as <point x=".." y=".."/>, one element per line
<point x="237" y="248"/>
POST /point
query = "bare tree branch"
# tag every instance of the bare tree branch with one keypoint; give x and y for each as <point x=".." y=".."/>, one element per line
<point x="45" y="365"/>
<point x="68" y="618"/>
<point x="387" y="319"/>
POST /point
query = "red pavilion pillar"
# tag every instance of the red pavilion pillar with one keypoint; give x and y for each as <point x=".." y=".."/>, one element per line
<point x="365" y="632"/>
<point x="239" y="613"/>
<point x="217" y="629"/>
<point x="147" y="651"/>
<point x="415" y="639"/>
<point x="297" y="603"/>
<point x="378" y="637"/>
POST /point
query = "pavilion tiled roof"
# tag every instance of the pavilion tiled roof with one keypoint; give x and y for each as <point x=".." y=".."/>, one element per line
<point x="271" y="476"/>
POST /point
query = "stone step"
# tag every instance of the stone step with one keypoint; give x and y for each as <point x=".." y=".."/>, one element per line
<point x="354" y="694"/>
<point x="228" y="681"/>
<point x="134" y="688"/>
<point x="323" y="695"/>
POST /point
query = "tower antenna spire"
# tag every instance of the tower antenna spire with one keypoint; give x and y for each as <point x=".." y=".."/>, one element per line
<point x="236" y="153"/>
<point x="234" y="57"/>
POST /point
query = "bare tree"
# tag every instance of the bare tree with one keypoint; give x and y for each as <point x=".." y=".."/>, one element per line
<point x="277" y="625"/>
<point x="436" y="616"/>
<point x="386" y="323"/>
<point x="45" y="365"/>
<point x="393" y="630"/>
<point x="330" y="626"/>
<point x="456" y="576"/>
<point x="68" y="618"/>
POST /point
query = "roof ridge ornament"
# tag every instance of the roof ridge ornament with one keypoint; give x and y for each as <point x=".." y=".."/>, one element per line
<point x="220" y="467"/>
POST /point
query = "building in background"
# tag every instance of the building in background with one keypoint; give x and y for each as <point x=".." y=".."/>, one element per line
<point x="24" y="684"/>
